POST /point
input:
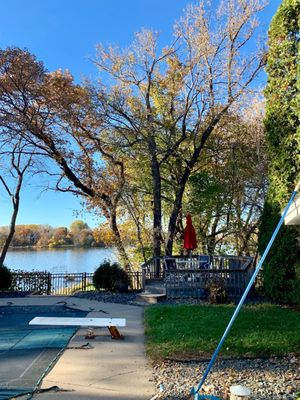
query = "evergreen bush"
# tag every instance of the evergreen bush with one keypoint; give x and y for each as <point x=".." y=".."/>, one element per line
<point x="282" y="124"/>
<point x="280" y="279"/>
<point x="111" y="277"/>
<point x="5" y="278"/>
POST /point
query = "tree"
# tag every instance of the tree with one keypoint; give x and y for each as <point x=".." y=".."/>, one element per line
<point x="283" y="141"/>
<point x="45" y="234"/>
<point x="58" y="117"/>
<point x="20" y="157"/>
<point x="158" y="111"/>
<point x="227" y="192"/>
<point x="162" y="108"/>
<point x="77" y="226"/>
<point x="81" y="233"/>
<point x="60" y="237"/>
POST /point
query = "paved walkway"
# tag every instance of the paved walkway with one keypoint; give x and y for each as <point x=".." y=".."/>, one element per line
<point x="111" y="369"/>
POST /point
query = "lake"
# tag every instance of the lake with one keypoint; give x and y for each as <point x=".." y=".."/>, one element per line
<point x="58" y="260"/>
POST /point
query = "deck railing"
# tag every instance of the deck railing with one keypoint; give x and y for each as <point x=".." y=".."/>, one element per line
<point x="191" y="276"/>
<point x="46" y="283"/>
<point x="167" y="263"/>
<point x="195" y="283"/>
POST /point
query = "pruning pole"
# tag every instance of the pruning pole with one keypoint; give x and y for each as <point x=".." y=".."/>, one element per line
<point x="194" y="390"/>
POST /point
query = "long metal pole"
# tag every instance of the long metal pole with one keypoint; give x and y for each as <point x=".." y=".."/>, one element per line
<point x="195" y="391"/>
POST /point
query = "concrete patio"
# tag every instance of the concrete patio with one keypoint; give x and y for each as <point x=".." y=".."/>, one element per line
<point x="106" y="369"/>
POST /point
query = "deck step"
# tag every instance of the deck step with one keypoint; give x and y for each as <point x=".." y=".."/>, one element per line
<point x="151" y="298"/>
<point x="155" y="287"/>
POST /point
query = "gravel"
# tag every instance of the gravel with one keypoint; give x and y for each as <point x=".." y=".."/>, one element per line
<point x="14" y="294"/>
<point x="108" y="297"/>
<point x="273" y="378"/>
<point x="130" y="298"/>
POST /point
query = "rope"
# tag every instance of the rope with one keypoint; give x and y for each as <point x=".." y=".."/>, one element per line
<point x="86" y="346"/>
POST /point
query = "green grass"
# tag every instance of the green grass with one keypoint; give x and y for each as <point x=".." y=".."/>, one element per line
<point x="193" y="331"/>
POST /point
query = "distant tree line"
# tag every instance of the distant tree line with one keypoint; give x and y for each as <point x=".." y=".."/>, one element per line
<point x="45" y="236"/>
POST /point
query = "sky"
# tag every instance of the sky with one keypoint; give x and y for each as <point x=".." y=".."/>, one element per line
<point x="63" y="34"/>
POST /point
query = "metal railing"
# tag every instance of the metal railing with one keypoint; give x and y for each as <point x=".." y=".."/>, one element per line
<point x="150" y="268"/>
<point x="195" y="283"/>
<point x="191" y="276"/>
<point x="46" y="283"/>
<point x="197" y="261"/>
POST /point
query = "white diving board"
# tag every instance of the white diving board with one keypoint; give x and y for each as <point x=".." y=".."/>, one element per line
<point x="67" y="321"/>
<point x="110" y="323"/>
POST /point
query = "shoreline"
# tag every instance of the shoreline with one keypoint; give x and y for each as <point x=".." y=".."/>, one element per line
<point x="69" y="246"/>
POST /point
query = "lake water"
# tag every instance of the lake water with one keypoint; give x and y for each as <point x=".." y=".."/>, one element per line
<point x="58" y="260"/>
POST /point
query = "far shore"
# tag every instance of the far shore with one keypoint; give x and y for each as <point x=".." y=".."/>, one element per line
<point x="67" y="246"/>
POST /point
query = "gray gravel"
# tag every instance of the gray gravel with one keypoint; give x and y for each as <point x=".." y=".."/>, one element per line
<point x="274" y="378"/>
<point x="129" y="298"/>
<point x="108" y="297"/>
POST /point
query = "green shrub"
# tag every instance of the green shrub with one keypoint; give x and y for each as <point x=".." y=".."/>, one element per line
<point x="280" y="279"/>
<point x="5" y="278"/>
<point x="217" y="293"/>
<point x="111" y="277"/>
<point x="36" y="282"/>
<point x="282" y="144"/>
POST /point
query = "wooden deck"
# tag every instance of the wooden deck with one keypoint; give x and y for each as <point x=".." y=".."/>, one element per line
<point x="190" y="277"/>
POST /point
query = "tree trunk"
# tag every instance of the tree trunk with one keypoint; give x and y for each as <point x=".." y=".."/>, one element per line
<point x="12" y="227"/>
<point x="136" y="218"/>
<point x="185" y="176"/>
<point x="112" y="218"/>
<point x="211" y="239"/>
<point x="156" y="179"/>
<point x="173" y="217"/>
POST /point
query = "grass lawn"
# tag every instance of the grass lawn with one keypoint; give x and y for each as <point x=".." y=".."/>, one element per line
<point x="193" y="331"/>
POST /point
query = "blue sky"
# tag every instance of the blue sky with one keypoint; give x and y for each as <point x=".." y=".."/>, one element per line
<point x="63" y="34"/>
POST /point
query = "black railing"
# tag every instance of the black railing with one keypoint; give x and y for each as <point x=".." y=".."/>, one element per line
<point x="46" y="283"/>
<point x="69" y="283"/>
<point x="195" y="283"/>
<point x="191" y="276"/>
<point x="195" y="262"/>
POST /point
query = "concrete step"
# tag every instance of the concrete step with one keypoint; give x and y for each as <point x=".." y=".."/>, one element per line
<point x="155" y="287"/>
<point x="155" y="292"/>
<point x="150" y="298"/>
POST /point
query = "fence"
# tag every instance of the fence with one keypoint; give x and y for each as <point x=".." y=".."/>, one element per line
<point x="195" y="283"/>
<point x="153" y="268"/>
<point x="62" y="284"/>
<point x="157" y="267"/>
<point x="191" y="276"/>
<point x="196" y="274"/>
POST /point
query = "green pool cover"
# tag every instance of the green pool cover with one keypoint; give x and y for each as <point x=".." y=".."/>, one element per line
<point x="27" y="352"/>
